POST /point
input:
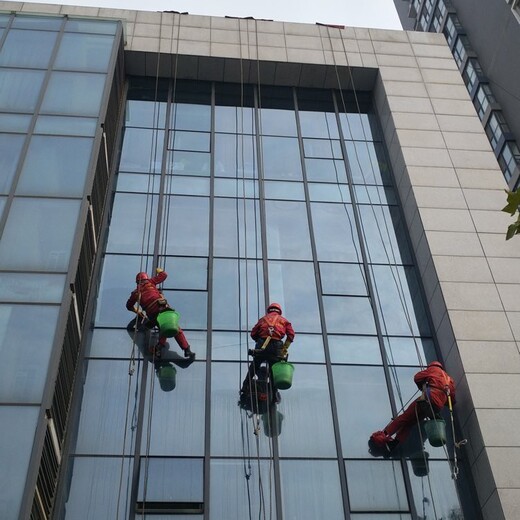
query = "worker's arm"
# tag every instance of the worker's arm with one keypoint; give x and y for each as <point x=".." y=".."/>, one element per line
<point x="159" y="277"/>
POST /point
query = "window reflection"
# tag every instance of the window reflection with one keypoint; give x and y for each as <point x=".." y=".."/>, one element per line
<point x="145" y="114"/>
<point x="319" y="192"/>
<point x="363" y="350"/>
<point x="189" y="141"/>
<point x="31" y="287"/>
<point x="234" y="120"/>
<point x="191" y="305"/>
<point x="10" y="148"/>
<point x="325" y="170"/>
<point x="318" y="124"/>
<point x="20" y="89"/>
<point x="142" y="150"/>
<point x="348" y="315"/>
<point x="188" y="163"/>
<point x="27" y="49"/>
<point x="367" y="163"/>
<point x="40" y="250"/>
<point x="281" y="156"/>
<point x="280" y="217"/>
<point x="177" y="416"/>
<point x="347" y="279"/>
<point x="104" y="413"/>
<point x="315" y="493"/>
<point x="277" y="122"/>
<point x="101" y="476"/>
<point x="22" y="378"/>
<point x="308" y="348"/>
<point x="73" y="126"/>
<point x="356" y="423"/>
<point x="230" y="475"/>
<point x="86" y="52"/>
<point x="322" y="148"/>
<point x="284" y="190"/>
<point x="376" y="485"/>
<point x="293" y="285"/>
<point x="187" y="116"/>
<point x="235" y="156"/>
<point x="14" y="123"/>
<point x="309" y="391"/>
<point x="231" y="429"/>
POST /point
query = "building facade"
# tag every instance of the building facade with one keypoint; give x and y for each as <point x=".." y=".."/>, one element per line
<point x="483" y="37"/>
<point x="342" y="172"/>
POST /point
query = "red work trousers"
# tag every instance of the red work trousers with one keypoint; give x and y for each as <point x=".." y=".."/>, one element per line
<point x="403" y="423"/>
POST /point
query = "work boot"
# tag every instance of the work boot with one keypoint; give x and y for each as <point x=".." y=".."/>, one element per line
<point x="189" y="354"/>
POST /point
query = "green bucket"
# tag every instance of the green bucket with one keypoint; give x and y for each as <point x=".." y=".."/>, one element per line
<point x="166" y="375"/>
<point x="436" y="431"/>
<point x="168" y="322"/>
<point x="272" y="428"/>
<point x="419" y="462"/>
<point x="282" y="375"/>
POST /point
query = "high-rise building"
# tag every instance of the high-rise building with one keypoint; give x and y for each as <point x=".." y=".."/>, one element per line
<point x="483" y="37"/>
<point x="341" y="172"/>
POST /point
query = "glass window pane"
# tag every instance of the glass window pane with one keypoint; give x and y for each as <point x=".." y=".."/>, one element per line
<point x="322" y="148"/>
<point x="376" y="485"/>
<point x="37" y="22"/>
<point x="284" y="190"/>
<point x="190" y="141"/>
<point x="356" y="126"/>
<point x="282" y="243"/>
<point x="135" y="212"/>
<point x="137" y="182"/>
<point x="366" y="194"/>
<point x="325" y="170"/>
<point x="188" y="226"/>
<point x="348" y="315"/>
<point x="120" y="341"/>
<point x="4" y="20"/>
<point x="27" y="49"/>
<point x="236" y="188"/>
<point x="309" y="391"/>
<point x="230" y="492"/>
<point x="145" y="114"/>
<point x="101" y="476"/>
<point x="379" y="516"/>
<point x="117" y="282"/>
<point x="308" y="348"/>
<point x="281" y="158"/>
<point x="20" y="89"/>
<point x="318" y="124"/>
<point x="91" y="26"/>
<point x="188" y="163"/>
<point x="234" y="119"/>
<point x="171" y="480"/>
<point x="228" y="302"/>
<point x="74" y="93"/>
<point x="55" y="166"/>
<point x="319" y="192"/>
<point x="347" y="279"/>
<point x="367" y="163"/>
<point x="227" y="346"/>
<point x="66" y="125"/>
<point x="277" y="122"/>
<point x="18" y="427"/>
<point x="10" y="148"/>
<point x="142" y="150"/>
<point x="400" y="301"/>
<point x="14" y="123"/>
<point x="316" y="493"/>
<point x="2" y="205"/>
<point x="88" y="52"/>
<point x="409" y="351"/>
<point x="335" y="232"/>
<point x="385" y="235"/>
<point x="356" y="422"/>
<point x="39" y="250"/>
<point x="235" y="156"/>
<point x="186" y="116"/>
<point x="22" y="378"/>
<point x="444" y="492"/>
<point x="293" y="285"/>
<point x="104" y="412"/>
<point x="186" y="273"/>
<point x="228" y="215"/>
<point x="31" y="287"/>
<point x="178" y="414"/>
<point x="192" y="306"/>
<point x="231" y="428"/>
<point x="362" y="350"/>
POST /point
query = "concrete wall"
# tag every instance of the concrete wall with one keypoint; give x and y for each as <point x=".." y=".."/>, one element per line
<point x="448" y="180"/>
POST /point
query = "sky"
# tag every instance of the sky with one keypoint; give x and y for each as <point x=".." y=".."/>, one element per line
<point x="379" y="14"/>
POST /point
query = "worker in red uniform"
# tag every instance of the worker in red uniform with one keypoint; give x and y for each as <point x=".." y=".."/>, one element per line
<point x="268" y="334"/>
<point x="150" y="300"/>
<point x="436" y="385"/>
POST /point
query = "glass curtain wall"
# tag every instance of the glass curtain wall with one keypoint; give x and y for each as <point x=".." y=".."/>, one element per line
<point x="247" y="195"/>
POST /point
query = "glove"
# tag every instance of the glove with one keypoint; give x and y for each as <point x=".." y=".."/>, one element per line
<point x="159" y="270"/>
<point x="251" y="352"/>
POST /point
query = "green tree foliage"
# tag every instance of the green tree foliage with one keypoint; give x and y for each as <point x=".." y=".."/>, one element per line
<point x="512" y="207"/>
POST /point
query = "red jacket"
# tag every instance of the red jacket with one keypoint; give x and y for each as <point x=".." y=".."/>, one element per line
<point x="274" y="325"/>
<point x="147" y="294"/>
<point x="438" y="381"/>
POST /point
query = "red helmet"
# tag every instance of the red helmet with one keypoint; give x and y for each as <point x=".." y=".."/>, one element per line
<point x="274" y="307"/>
<point x="140" y="277"/>
<point x="436" y="364"/>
